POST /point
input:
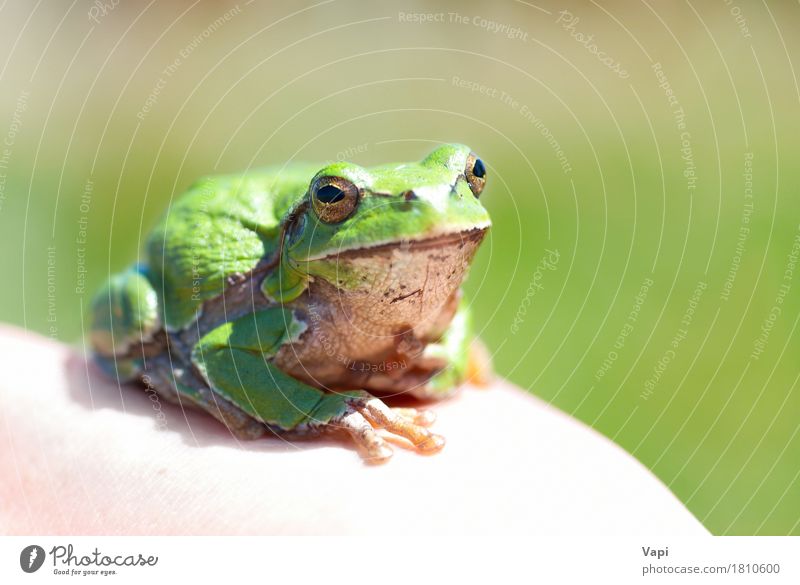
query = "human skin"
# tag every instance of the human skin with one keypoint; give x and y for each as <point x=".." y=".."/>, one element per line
<point x="80" y="454"/>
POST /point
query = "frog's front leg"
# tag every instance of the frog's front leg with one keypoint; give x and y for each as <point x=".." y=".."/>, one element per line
<point x="458" y="357"/>
<point x="365" y="413"/>
<point x="235" y="360"/>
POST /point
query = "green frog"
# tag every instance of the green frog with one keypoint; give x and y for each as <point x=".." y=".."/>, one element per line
<point x="298" y="299"/>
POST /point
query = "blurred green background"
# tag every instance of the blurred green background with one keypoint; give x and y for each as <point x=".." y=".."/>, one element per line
<point x="644" y="187"/>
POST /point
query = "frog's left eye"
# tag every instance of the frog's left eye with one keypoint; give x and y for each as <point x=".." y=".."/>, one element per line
<point x="475" y="172"/>
<point x="334" y="198"/>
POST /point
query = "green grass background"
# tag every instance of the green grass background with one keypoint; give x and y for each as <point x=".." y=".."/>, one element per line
<point x="277" y="81"/>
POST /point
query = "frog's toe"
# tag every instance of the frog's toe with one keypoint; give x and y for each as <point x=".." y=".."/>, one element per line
<point x="421" y="417"/>
<point x="365" y="414"/>
<point x="384" y="417"/>
<point x="375" y="448"/>
<point x="479" y="364"/>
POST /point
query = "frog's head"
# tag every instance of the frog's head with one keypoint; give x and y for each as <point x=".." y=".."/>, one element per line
<point x="397" y="232"/>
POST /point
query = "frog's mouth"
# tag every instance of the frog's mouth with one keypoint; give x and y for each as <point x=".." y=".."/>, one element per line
<point x="468" y="240"/>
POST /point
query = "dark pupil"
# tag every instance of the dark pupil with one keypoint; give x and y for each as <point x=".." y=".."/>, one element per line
<point x="479" y="170"/>
<point x="330" y="194"/>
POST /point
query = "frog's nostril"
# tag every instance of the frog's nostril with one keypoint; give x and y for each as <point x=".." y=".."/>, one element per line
<point x="409" y="196"/>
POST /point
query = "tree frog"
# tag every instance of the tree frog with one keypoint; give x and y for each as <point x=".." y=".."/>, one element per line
<point x="296" y="300"/>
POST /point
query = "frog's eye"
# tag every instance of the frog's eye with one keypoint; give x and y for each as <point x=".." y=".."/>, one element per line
<point x="334" y="198"/>
<point x="475" y="172"/>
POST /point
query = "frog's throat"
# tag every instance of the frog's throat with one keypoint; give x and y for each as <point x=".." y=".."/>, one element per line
<point x="397" y="286"/>
<point x="472" y="236"/>
<point x="437" y="263"/>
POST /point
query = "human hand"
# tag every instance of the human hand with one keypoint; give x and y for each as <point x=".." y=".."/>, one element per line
<point x="82" y="455"/>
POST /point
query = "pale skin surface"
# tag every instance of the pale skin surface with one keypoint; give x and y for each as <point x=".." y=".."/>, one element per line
<point x="80" y="455"/>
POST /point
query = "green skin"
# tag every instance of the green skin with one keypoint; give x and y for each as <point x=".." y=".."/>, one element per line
<point x="254" y="308"/>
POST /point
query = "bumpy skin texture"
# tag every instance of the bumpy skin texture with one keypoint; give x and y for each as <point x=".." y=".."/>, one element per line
<point x="222" y="226"/>
<point x="261" y="305"/>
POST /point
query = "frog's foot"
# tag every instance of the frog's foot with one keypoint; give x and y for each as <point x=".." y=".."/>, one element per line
<point x="479" y="364"/>
<point x="367" y="414"/>
<point x="423" y="418"/>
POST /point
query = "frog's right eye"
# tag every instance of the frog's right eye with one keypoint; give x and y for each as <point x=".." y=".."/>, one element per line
<point x="334" y="198"/>
<point x="475" y="172"/>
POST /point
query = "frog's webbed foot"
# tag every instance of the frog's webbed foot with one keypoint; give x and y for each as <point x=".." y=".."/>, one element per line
<point x="366" y="414"/>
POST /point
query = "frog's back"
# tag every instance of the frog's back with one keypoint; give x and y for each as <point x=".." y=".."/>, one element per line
<point x="222" y="226"/>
